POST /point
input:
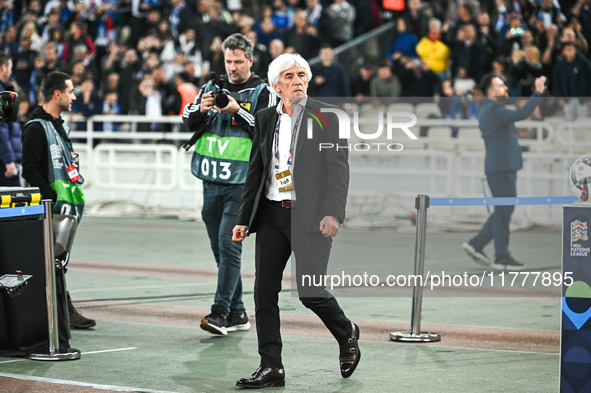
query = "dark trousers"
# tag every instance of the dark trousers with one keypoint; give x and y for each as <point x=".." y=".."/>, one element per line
<point x="279" y="232"/>
<point x="502" y="184"/>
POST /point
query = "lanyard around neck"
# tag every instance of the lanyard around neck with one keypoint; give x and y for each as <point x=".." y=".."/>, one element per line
<point x="294" y="132"/>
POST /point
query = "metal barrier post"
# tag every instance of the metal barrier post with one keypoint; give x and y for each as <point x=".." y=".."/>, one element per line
<point x="415" y="334"/>
<point x="54" y="351"/>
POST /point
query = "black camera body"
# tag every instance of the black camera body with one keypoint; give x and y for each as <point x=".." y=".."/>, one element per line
<point x="220" y="98"/>
<point x="8" y="106"/>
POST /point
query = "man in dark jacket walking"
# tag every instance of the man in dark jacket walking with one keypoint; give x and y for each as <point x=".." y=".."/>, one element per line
<point x="294" y="199"/>
<point x="502" y="161"/>
<point x="10" y="133"/>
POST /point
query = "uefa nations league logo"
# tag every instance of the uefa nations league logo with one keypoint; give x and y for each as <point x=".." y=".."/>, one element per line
<point x="578" y="234"/>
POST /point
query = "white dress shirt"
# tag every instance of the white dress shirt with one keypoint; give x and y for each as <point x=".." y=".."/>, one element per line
<point x="286" y="129"/>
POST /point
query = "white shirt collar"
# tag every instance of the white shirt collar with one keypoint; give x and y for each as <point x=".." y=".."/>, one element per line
<point x="299" y="107"/>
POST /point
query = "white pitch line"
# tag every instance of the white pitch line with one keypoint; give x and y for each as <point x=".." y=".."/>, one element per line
<point x="110" y="289"/>
<point x="109" y="350"/>
<point x="13" y="361"/>
<point x="83" y="353"/>
<point x="75" y="383"/>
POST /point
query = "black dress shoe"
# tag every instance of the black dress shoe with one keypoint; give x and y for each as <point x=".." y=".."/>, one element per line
<point x="350" y="354"/>
<point x="263" y="377"/>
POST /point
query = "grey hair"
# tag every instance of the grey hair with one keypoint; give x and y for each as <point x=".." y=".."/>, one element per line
<point x="283" y="63"/>
<point x="239" y="41"/>
<point x="436" y="21"/>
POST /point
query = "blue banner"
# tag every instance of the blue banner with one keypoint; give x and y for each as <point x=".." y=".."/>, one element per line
<point x="575" y="350"/>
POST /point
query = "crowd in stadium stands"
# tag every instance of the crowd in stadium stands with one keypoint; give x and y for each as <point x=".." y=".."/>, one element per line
<point x="151" y="56"/>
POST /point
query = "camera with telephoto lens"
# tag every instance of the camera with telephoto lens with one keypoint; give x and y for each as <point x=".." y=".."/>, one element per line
<point x="220" y="98"/>
<point x="8" y="106"/>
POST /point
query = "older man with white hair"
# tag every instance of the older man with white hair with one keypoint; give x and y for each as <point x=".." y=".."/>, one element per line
<point x="294" y="198"/>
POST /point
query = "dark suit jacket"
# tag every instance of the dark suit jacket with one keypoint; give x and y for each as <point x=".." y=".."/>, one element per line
<point x="503" y="152"/>
<point x="320" y="177"/>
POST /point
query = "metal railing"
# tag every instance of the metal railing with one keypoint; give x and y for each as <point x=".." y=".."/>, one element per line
<point x="151" y="169"/>
<point x="575" y="136"/>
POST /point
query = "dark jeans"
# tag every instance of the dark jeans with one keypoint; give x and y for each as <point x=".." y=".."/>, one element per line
<point x="502" y="184"/>
<point x="279" y="232"/>
<point x="219" y="212"/>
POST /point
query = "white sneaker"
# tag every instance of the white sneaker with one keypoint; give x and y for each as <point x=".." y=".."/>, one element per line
<point x="477" y="254"/>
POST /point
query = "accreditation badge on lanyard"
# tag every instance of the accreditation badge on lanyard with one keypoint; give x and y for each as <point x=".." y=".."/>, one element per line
<point x="284" y="178"/>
